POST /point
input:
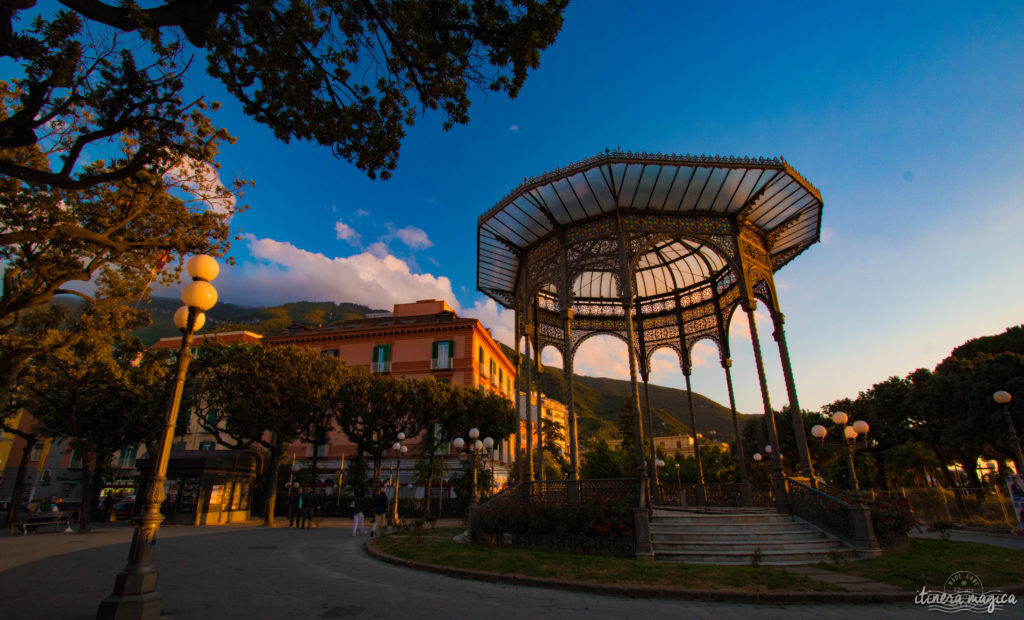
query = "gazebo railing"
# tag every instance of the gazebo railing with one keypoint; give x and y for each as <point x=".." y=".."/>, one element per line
<point x="719" y="494"/>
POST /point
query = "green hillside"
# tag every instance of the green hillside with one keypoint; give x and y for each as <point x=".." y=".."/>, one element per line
<point x="229" y="317"/>
<point x="599" y="402"/>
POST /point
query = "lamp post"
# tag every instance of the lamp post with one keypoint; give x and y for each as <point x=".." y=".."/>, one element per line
<point x="135" y="594"/>
<point x="399" y="451"/>
<point x="473" y="447"/>
<point x="848" y="444"/>
<point x="1003" y="398"/>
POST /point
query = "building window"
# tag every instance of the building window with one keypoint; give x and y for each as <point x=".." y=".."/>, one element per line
<point x="37" y="452"/>
<point x="481" y="359"/>
<point x="381" y="358"/>
<point x="320" y="450"/>
<point x="76" y="460"/>
<point x="127" y="457"/>
<point x="501" y="378"/>
<point x="494" y="369"/>
<point x="442" y="355"/>
<point x="330" y="352"/>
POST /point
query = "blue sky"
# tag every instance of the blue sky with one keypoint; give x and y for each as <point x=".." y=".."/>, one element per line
<point x="908" y="116"/>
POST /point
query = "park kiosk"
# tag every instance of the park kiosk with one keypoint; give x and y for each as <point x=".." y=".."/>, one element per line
<point x="206" y="487"/>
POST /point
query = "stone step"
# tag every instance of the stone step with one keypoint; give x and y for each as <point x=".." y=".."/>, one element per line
<point x="673" y="536"/>
<point x="791" y="560"/>
<point x="812" y="546"/>
<point x="696" y="519"/>
<point x="713" y="529"/>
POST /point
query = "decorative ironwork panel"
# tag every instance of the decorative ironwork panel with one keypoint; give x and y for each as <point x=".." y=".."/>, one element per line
<point x="829" y="513"/>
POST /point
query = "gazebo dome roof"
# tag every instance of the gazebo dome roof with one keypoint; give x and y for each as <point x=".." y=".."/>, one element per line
<point x="765" y="193"/>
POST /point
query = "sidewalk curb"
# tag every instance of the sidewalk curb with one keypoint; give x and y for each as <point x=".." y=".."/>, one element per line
<point x="651" y="592"/>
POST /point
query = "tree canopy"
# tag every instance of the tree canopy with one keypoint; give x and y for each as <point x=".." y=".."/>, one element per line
<point x="348" y="74"/>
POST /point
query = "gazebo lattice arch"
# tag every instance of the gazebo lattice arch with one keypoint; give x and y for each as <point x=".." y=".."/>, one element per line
<point x="658" y="250"/>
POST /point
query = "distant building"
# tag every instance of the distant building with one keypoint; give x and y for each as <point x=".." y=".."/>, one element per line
<point x="672" y="445"/>
<point x="417" y="340"/>
<point x="550" y="410"/>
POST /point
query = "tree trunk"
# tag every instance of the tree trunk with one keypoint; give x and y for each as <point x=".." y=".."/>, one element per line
<point x="312" y="475"/>
<point x="377" y="458"/>
<point x="275" y="463"/>
<point x="949" y="478"/>
<point x="85" y="514"/>
<point x="883" y="474"/>
<point x="97" y="485"/>
<point x="19" y="480"/>
<point x="430" y="479"/>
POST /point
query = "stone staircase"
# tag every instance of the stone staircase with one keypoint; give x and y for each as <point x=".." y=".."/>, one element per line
<point x="732" y="536"/>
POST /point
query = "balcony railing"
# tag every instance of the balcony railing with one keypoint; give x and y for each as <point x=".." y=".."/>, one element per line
<point x="441" y="363"/>
<point x="380" y="367"/>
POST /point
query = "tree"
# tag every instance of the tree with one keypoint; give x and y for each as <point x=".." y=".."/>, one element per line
<point x="371" y="409"/>
<point x="263" y="396"/>
<point x="600" y="461"/>
<point x="348" y="74"/>
<point x="100" y="392"/>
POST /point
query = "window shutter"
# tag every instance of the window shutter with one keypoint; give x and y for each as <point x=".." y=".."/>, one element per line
<point x="451" y="349"/>
<point x="387" y="353"/>
<point x="433" y="351"/>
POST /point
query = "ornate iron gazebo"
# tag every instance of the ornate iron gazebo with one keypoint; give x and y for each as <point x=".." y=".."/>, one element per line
<point x="657" y="250"/>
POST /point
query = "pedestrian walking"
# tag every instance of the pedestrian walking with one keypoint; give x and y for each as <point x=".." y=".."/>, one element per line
<point x="358" y="506"/>
<point x="294" y="508"/>
<point x="309" y="502"/>
<point x="380" y="510"/>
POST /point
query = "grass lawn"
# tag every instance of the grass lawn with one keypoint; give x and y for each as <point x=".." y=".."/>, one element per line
<point x="930" y="562"/>
<point x="438" y="548"/>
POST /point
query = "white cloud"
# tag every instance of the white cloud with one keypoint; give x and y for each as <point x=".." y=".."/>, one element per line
<point x="602" y="356"/>
<point x="513" y="127"/>
<point x="826" y="234"/>
<point x="413" y="237"/>
<point x="289" y="274"/>
<point x="500" y="321"/>
<point x="201" y="180"/>
<point x="361" y="213"/>
<point x="378" y="249"/>
<point x="347" y="233"/>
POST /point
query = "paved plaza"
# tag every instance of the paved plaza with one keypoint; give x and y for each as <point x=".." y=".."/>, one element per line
<point x="254" y="572"/>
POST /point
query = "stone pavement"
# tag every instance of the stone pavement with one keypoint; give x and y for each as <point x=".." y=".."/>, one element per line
<point x="253" y="572"/>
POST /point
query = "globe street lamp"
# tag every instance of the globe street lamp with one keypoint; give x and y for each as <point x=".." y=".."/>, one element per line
<point x="135" y="594"/>
<point x="399" y="451"/>
<point x="473" y="447"/>
<point x="1003" y="398"/>
<point x="848" y="444"/>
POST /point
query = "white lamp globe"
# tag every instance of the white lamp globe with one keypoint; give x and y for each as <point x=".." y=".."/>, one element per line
<point x="474" y="433"/>
<point x="768" y="448"/>
<point x="181" y="319"/>
<point x="1002" y="397"/>
<point x="404" y="449"/>
<point x="488" y="443"/>
<point x="861" y="427"/>
<point x="477" y="445"/>
<point x="200" y="295"/>
<point x="203" y="266"/>
<point x="459" y="443"/>
<point x="818" y="431"/>
<point x="659" y="463"/>
<point x="401" y="436"/>
<point x="396" y="446"/>
<point x="840" y="418"/>
<point x="757" y="457"/>
<point x="850" y="432"/>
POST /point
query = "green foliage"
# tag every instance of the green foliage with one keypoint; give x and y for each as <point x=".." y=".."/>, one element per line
<point x="346" y="74"/>
<point x="600" y="461"/>
<point x="595" y="518"/>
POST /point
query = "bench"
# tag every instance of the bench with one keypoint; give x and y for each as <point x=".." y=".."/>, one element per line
<point x="33" y="520"/>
